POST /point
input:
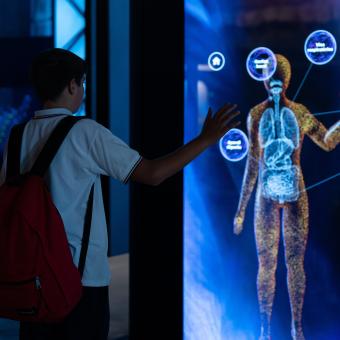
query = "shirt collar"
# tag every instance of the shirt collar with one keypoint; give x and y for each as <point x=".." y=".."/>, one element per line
<point x="52" y="112"/>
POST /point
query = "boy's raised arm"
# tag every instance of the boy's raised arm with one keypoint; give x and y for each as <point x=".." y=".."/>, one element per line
<point x="154" y="172"/>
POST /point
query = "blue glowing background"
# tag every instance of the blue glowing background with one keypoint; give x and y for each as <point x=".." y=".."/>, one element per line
<point x="220" y="296"/>
<point x="69" y="30"/>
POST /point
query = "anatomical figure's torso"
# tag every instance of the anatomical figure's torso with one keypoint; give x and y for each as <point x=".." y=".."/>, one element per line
<point x="279" y="137"/>
<point x="280" y="126"/>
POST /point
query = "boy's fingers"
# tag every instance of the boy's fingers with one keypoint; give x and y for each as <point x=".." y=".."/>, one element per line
<point x="230" y="117"/>
<point x="209" y="114"/>
<point x="234" y="124"/>
<point x="229" y="126"/>
<point x="225" y="109"/>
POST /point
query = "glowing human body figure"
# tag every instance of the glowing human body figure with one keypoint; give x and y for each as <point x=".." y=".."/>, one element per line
<point x="276" y="129"/>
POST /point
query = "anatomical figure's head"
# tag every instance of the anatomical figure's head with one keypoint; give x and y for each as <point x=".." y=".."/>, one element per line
<point x="279" y="82"/>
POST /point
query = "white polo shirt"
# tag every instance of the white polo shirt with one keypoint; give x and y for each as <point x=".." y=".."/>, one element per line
<point x="89" y="150"/>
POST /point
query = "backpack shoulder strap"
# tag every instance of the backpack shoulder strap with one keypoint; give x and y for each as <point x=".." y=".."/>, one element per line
<point x="86" y="232"/>
<point x="52" y="145"/>
<point x="14" y="151"/>
<point x="43" y="162"/>
<point x="41" y="165"/>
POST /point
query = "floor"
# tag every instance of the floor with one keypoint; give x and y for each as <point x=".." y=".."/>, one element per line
<point x="119" y="303"/>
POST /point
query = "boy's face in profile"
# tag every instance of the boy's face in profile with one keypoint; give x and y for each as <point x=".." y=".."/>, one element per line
<point x="78" y="95"/>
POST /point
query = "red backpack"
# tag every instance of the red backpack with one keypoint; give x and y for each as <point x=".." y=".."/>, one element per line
<point x="38" y="280"/>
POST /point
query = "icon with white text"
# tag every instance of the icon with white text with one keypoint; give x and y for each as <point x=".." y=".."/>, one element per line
<point x="234" y="145"/>
<point x="261" y="63"/>
<point x="320" y="47"/>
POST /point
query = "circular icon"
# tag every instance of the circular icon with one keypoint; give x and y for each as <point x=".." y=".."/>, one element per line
<point x="320" y="47"/>
<point x="261" y="63"/>
<point x="234" y="145"/>
<point x="216" y="61"/>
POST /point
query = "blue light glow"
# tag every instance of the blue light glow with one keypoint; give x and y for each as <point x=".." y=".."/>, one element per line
<point x="69" y="26"/>
<point x="326" y="113"/>
<point x="69" y="30"/>
<point x="322" y="181"/>
<point x="211" y="307"/>
<point x="320" y="47"/>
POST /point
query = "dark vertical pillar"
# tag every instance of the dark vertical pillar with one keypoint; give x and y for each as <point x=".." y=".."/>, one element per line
<point x="157" y="62"/>
<point x="119" y="74"/>
<point x="91" y="56"/>
<point x="102" y="85"/>
<point x="102" y="62"/>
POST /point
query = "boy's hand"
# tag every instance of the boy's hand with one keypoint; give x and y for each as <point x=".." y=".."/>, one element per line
<point x="155" y="171"/>
<point x="217" y="125"/>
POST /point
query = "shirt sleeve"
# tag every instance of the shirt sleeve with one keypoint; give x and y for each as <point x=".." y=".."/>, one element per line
<point x="111" y="156"/>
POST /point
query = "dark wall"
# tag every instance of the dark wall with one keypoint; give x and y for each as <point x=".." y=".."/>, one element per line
<point x="157" y="62"/>
<point x="15" y="18"/>
<point x="17" y="58"/>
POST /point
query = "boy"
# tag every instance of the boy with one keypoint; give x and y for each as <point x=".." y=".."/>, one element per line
<point x="91" y="150"/>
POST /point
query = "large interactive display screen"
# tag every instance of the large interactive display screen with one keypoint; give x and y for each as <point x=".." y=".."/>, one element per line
<point x="261" y="207"/>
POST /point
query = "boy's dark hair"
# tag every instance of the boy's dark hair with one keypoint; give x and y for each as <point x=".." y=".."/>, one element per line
<point x="52" y="70"/>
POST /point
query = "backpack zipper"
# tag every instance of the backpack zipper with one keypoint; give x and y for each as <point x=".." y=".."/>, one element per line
<point x="37" y="282"/>
<point x="35" y="279"/>
<point x="37" y="285"/>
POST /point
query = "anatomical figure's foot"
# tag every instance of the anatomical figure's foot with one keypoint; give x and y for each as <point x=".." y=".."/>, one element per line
<point x="297" y="333"/>
<point x="265" y="332"/>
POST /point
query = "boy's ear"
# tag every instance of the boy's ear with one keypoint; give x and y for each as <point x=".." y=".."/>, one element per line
<point x="71" y="86"/>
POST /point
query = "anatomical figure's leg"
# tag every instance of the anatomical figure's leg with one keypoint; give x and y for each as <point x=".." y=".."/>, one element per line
<point x="267" y="234"/>
<point x="295" y="231"/>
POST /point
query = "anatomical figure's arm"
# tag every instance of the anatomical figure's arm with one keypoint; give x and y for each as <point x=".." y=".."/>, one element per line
<point x="250" y="174"/>
<point x="325" y="139"/>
